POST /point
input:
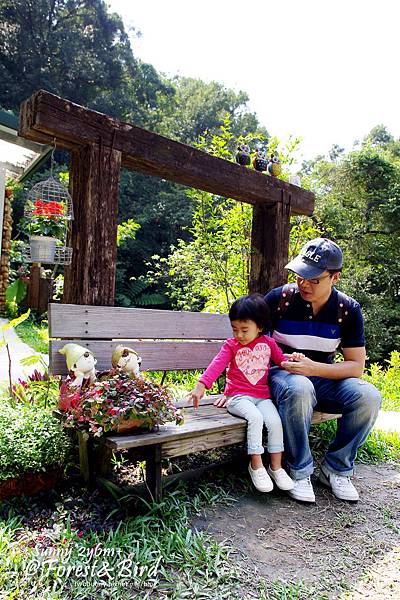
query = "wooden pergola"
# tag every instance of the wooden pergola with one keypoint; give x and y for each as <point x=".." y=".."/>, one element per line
<point x="101" y="145"/>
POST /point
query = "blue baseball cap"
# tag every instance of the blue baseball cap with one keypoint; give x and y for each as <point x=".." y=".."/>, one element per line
<point x="315" y="257"/>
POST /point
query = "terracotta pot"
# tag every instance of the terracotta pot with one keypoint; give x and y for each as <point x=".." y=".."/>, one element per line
<point x="128" y="425"/>
<point x="29" y="484"/>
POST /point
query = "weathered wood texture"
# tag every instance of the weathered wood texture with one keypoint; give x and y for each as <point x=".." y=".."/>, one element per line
<point x="90" y="279"/>
<point x="202" y="427"/>
<point x="270" y="245"/>
<point x="45" y="116"/>
<point x="108" y="323"/>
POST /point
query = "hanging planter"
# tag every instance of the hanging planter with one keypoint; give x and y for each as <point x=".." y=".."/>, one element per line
<point x="43" y="248"/>
<point x="48" y="211"/>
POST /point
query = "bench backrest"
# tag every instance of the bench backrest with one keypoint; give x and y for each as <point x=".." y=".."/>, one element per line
<point x="166" y="340"/>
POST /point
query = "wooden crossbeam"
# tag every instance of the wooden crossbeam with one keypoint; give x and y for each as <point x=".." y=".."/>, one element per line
<point x="45" y="116"/>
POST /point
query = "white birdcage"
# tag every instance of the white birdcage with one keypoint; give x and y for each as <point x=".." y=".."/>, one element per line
<point x="49" y="198"/>
<point x="48" y="211"/>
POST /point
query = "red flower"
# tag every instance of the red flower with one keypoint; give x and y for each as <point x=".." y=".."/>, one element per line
<point x="48" y="209"/>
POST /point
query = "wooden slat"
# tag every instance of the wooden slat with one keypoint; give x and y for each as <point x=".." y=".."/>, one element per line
<point x="207" y="442"/>
<point x="206" y="400"/>
<point x="173" y="435"/>
<point x="320" y="417"/>
<point x="157" y="356"/>
<point x="113" y="322"/>
<point x="45" y="116"/>
<point x="170" y="431"/>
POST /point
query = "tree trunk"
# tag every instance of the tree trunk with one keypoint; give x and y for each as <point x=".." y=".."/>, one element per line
<point x="90" y="279"/>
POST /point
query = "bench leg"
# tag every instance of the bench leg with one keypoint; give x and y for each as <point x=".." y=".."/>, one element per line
<point x="84" y="456"/>
<point x="153" y="472"/>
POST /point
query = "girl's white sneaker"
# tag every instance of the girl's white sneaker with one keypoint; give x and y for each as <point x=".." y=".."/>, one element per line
<point x="261" y="480"/>
<point x="282" y="479"/>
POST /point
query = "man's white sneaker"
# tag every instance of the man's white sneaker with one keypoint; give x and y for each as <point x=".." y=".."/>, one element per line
<point x="303" y="490"/>
<point x="261" y="480"/>
<point x="281" y="478"/>
<point x="341" y="486"/>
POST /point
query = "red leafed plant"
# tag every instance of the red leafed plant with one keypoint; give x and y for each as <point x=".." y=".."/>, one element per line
<point x="106" y="404"/>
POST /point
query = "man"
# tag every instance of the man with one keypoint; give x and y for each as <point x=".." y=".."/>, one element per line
<point x="312" y="317"/>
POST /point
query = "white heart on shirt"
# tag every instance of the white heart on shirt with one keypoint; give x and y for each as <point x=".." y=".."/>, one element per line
<point x="253" y="363"/>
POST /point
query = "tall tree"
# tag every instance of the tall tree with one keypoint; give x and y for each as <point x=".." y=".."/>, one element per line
<point x="75" y="49"/>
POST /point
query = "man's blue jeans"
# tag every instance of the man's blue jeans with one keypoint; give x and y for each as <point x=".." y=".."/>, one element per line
<point x="296" y="396"/>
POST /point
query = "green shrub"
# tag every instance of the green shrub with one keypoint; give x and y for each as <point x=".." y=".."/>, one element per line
<point x="387" y="381"/>
<point x="31" y="440"/>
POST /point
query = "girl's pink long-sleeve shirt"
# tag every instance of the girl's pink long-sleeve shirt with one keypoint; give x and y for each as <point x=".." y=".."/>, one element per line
<point x="247" y="366"/>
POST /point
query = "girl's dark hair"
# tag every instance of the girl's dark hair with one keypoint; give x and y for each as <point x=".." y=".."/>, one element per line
<point x="254" y="308"/>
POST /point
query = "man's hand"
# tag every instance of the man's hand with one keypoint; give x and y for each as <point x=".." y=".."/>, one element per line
<point x="196" y="395"/>
<point x="220" y="402"/>
<point x="303" y="366"/>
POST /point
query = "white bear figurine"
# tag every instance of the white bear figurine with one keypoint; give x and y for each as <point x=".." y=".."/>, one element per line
<point x="126" y="360"/>
<point x="81" y="362"/>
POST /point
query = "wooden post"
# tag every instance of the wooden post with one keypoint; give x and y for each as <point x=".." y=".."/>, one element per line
<point x="269" y="245"/>
<point x="84" y="456"/>
<point x="153" y="471"/>
<point x="39" y="290"/>
<point x="90" y="279"/>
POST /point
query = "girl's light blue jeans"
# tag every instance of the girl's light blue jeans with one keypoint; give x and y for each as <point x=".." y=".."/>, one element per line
<point x="258" y="412"/>
<point x="296" y="396"/>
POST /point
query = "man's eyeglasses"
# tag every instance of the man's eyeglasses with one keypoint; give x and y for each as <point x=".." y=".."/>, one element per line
<point x="312" y="281"/>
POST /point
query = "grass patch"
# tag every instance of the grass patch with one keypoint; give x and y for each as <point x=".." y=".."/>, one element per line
<point x="156" y="555"/>
<point x="36" y="335"/>
<point x="281" y="590"/>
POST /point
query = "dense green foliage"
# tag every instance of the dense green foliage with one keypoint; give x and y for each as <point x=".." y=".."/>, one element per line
<point x="77" y="50"/>
<point x="31" y="440"/>
<point x="387" y="379"/>
<point x="358" y="205"/>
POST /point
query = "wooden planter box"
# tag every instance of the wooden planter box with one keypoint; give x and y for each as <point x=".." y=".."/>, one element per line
<point x="29" y="484"/>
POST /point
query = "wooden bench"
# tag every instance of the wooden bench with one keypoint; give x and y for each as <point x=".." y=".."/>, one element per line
<point x="166" y="341"/>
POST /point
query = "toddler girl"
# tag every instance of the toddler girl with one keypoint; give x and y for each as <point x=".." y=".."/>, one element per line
<point x="247" y="356"/>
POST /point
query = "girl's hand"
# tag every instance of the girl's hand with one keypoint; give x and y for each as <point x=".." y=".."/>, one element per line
<point x="220" y="402"/>
<point x="196" y="395"/>
<point x="295" y="356"/>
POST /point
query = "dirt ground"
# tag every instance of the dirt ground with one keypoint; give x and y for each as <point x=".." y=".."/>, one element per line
<point x="331" y="549"/>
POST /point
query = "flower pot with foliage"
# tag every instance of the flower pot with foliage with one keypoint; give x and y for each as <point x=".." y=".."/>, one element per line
<point x="46" y="226"/>
<point x="118" y="404"/>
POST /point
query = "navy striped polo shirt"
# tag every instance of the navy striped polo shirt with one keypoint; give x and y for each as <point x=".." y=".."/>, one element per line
<point x="319" y="336"/>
